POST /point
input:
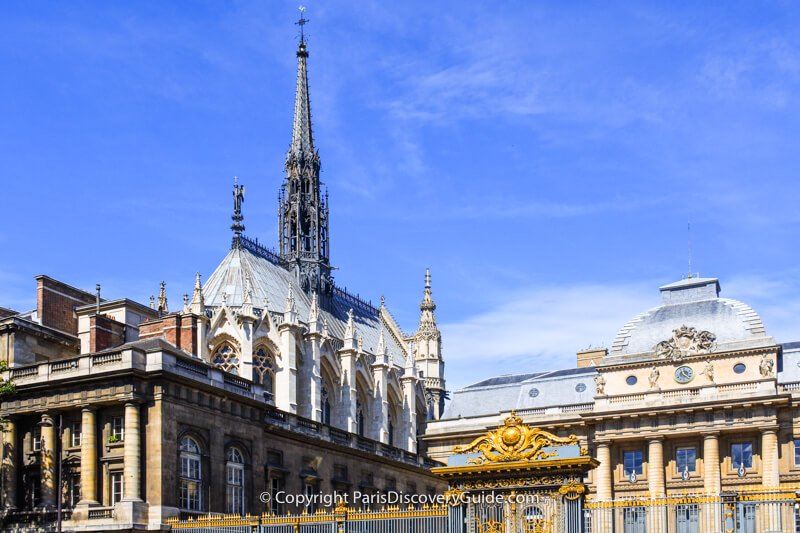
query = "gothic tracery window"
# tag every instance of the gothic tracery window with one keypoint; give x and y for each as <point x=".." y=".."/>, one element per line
<point x="264" y="369"/>
<point x="226" y="358"/>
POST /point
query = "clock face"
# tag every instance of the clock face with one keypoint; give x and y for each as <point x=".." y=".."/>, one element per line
<point x="684" y="374"/>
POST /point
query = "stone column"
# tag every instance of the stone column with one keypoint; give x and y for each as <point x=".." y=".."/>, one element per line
<point x="770" y="465"/>
<point x="131" y="484"/>
<point x="349" y="398"/>
<point x="604" y="473"/>
<point x="409" y="384"/>
<point x="286" y="377"/>
<point x="48" y="462"/>
<point x="88" y="457"/>
<point x="9" y="496"/>
<point x="655" y="468"/>
<point x="712" y="477"/>
<point x="380" y="402"/>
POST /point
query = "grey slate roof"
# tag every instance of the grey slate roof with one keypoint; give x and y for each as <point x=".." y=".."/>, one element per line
<point x="270" y="288"/>
<point x="692" y="302"/>
<point x="523" y="391"/>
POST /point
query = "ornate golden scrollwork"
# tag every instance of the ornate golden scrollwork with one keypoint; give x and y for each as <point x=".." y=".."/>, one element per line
<point x="514" y="441"/>
<point x="572" y="490"/>
<point x="538" y="525"/>
<point x="491" y="526"/>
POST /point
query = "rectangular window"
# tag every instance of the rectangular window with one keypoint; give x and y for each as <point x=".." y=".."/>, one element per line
<point x="189" y="497"/>
<point x="633" y="519"/>
<point x="74" y="487"/>
<point x="116" y="487"/>
<point x="117" y="429"/>
<point x="632" y="462"/>
<point x="275" y="486"/>
<point x="797" y="452"/>
<point x="742" y="454"/>
<point x="75" y="435"/>
<point x="309" y="493"/>
<point x="37" y="440"/>
<point x="686" y="459"/>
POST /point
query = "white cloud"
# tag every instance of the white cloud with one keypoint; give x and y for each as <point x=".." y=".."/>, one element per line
<point x="542" y="328"/>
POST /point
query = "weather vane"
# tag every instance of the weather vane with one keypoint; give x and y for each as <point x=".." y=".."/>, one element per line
<point x="302" y="22"/>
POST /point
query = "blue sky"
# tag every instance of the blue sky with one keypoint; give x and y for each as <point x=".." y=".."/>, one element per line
<point x="543" y="158"/>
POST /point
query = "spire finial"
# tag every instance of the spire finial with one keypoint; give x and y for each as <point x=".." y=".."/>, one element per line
<point x="238" y="198"/>
<point x="163" y="308"/>
<point x="427" y="300"/>
<point x="302" y="22"/>
<point x="198" y="303"/>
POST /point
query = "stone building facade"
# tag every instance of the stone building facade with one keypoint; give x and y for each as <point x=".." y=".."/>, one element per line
<point x="692" y="397"/>
<point x="269" y="378"/>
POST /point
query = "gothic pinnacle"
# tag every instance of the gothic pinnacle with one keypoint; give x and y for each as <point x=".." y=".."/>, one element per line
<point x="163" y="307"/>
<point x="427" y="301"/>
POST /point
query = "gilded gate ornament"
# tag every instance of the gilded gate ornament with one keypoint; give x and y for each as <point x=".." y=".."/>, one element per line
<point x="572" y="490"/>
<point x="514" y="441"/>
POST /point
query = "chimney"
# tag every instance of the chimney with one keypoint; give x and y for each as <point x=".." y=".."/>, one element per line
<point x="591" y="357"/>
<point x="56" y="303"/>
<point x="105" y="332"/>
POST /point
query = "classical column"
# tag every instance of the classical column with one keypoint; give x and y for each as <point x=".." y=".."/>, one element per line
<point x="9" y="465"/>
<point x="88" y="456"/>
<point x="603" y="473"/>
<point x="770" y="476"/>
<point x="655" y="468"/>
<point x="48" y="462"/>
<point x="711" y="469"/>
<point x="131" y="484"/>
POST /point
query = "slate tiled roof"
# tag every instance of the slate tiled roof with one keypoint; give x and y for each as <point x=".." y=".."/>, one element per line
<point x="270" y="288"/>
<point x="523" y="391"/>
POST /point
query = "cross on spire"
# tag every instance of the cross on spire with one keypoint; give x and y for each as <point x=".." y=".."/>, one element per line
<point x="302" y="22"/>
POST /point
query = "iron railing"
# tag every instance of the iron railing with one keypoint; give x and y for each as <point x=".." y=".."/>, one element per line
<point x="753" y="512"/>
<point x="339" y="520"/>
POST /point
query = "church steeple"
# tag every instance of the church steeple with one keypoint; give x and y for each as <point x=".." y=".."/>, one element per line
<point x="429" y="360"/>
<point x="303" y="210"/>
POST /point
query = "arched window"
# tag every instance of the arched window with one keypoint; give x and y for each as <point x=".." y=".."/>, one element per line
<point x="226" y="358"/>
<point x="326" y="406"/>
<point x="234" y="473"/>
<point x="264" y="369"/>
<point x="391" y="431"/>
<point x="191" y="476"/>
<point x="360" y="421"/>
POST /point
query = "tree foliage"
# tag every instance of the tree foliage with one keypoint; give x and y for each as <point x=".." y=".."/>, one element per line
<point x="6" y="386"/>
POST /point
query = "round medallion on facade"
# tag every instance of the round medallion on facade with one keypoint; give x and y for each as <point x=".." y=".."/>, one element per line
<point x="631" y="380"/>
<point x="533" y="393"/>
<point x="580" y="387"/>
<point x="739" y="368"/>
<point x="684" y="374"/>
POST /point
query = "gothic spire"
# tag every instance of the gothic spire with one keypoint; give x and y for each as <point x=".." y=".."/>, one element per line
<point x="302" y="138"/>
<point x="303" y="209"/>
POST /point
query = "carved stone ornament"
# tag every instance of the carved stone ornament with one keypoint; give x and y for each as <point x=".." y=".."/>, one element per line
<point x="685" y="341"/>
<point x="514" y="442"/>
